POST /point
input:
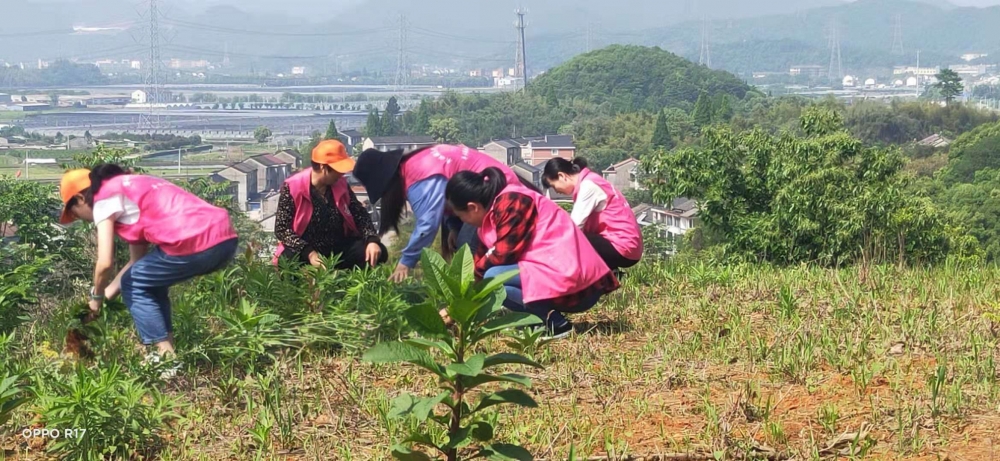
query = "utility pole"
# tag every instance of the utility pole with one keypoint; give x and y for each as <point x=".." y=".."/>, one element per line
<point x="897" y="35"/>
<point x="520" y="66"/>
<point x="402" y="77"/>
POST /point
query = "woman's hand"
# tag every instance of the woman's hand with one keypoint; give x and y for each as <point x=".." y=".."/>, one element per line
<point x="95" y="309"/>
<point x="400" y="274"/>
<point x="113" y="290"/>
<point x="315" y="260"/>
<point x="372" y="253"/>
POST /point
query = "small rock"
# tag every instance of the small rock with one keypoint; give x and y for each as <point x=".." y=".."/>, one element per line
<point x="323" y="421"/>
<point x="897" y="349"/>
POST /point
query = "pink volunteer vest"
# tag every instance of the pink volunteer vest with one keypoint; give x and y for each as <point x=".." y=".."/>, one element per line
<point x="298" y="186"/>
<point x="616" y="222"/>
<point x="448" y="160"/>
<point x="172" y="218"/>
<point x="559" y="260"/>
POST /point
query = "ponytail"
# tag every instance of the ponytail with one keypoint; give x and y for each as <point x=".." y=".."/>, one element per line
<point x="560" y="165"/>
<point x="471" y="187"/>
<point x="98" y="175"/>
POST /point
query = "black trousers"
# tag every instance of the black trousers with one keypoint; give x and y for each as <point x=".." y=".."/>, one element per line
<point x="352" y="254"/>
<point x="608" y="253"/>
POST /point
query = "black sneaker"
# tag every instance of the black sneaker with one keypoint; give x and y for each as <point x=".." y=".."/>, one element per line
<point x="558" y="332"/>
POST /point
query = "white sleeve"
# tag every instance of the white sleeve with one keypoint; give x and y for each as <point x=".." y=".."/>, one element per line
<point x="590" y="198"/>
<point x="110" y="208"/>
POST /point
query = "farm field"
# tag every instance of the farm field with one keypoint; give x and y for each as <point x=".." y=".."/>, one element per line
<point x="687" y="358"/>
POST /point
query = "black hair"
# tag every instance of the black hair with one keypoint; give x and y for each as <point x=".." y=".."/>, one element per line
<point x="471" y="187"/>
<point x="392" y="203"/>
<point x="560" y="165"/>
<point x="98" y="174"/>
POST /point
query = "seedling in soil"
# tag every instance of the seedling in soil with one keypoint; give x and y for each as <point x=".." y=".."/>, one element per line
<point x="460" y="429"/>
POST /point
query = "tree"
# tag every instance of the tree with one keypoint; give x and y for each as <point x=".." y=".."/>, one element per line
<point x="390" y="119"/>
<point x="331" y="131"/>
<point x="661" y="134"/>
<point x="825" y="197"/>
<point x="723" y="109"/>
<point x="419" y="122"/>
<point x="374" y="125"/>
<point x="261" y="134"/>
<point x="702" y="114"/>
<point x="306" y="150"/>
<point x="88" y="136"/>
<point x="949" y="84"/>
<point x="54" y="99"/>
<point x="445" y="130"/>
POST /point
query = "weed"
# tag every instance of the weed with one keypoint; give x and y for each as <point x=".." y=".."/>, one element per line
<point x="828" y="417"/>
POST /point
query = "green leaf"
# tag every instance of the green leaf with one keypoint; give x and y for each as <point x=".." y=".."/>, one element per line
<point x="485" y="287"/>
<point x="421" y="439"/>
<point x="401" y="406"/>
<point x="428" y="344"/>
<point x="506" y="321"/>
<point x="505" y="452"/>
<point x="404" y="454"/>
<point x="425" y="319"/>
<point x="476" y="381"/>
<point x="472" y="366"/>
<point x="402" y="352"/>
<point x="462" y="310"/>
<point x="482" y="431"/>
<point x="434" y="270"/>
<point x="492" y="306"/>
<point x="507" y="358"/>
<point x="425" y="406"/>
<point x="459" y="439"/>
<point x="514" y="396"/>
<point x="463" y="268"/>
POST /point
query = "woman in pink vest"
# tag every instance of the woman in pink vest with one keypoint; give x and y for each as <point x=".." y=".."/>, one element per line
<point x="191" y="238"/>
<point x="521" y="229"/>
<point x="318" y="215"/>
<point x="600" y="210"/>
<point x="420" y="177"/>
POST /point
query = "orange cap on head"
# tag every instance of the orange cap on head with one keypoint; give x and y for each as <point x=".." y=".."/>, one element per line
<point x="72" y="183"/>
<point x="333" y="153"/>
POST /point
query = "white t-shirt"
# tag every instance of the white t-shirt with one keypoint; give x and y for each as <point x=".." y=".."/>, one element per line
<point x="590" y="199"/>
<point x="117" y="207"/>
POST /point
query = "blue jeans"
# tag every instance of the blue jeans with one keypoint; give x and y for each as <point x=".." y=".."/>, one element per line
<point x="145" y="286"/>
<point x="544" y="309"/>
<point x="468" y="236"/>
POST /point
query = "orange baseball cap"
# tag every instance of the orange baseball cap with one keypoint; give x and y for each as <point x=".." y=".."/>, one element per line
<point x="333" y="153"/>
<point x="72" y="183"/>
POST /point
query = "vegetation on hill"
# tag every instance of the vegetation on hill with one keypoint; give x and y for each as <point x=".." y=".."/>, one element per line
<point x="630" y="78"/>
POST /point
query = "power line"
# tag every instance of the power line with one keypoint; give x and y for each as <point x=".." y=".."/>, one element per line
<point x="436" y="34"/>
<point x="211" y="28"/>
<point x="39" y="33"/>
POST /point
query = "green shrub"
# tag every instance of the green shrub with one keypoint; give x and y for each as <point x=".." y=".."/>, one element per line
<point x="476" y="309"/>
<point x="120" y="416"/>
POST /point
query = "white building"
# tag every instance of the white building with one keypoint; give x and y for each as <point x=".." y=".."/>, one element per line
<point x="139" y="97"/>
<point x="870" y="82"/>
<point x="848" y="81"/>
<point x="911" y="81"/>
<point x="298" y="70"/>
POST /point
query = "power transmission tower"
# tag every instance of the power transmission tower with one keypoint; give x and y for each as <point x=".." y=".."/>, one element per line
<point x="835" y="61"/>
<point x="706" y="53"/>
<point x="520" y="66"/>
<point x="897" y="35"/>
<point x="402" y="68"/>
<point x="150" y="121"/>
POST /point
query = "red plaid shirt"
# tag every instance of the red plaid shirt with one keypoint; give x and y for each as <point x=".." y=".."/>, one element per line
<point x="514" y="216"/>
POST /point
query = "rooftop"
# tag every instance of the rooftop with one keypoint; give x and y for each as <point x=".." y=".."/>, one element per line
<point x="505" y="143"/>
<point x="622" y="163"/>
<point x="403" y="140"/>
<point x="243" y="167"/>
<point x="351" y="133"/>
<point x="552" y="142"/>
<point x="268" y="160"/>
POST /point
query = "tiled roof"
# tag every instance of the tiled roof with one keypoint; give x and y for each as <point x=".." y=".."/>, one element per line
<point x="554" y="142"/>
<point x="505" y="143"/>
<point x="351" y="133"/>
<point x="621" y="164"/>
<point x="268" y="160"/>
<point x="243" y="167"/>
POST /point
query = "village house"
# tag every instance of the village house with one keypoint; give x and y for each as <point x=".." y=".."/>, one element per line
<point x="623" y="175"/>
<point x="675" y="220"/>
<point x="232" y="187"/>
<point x="505" y="151"/>
<point x="245" y="176"/>
<point x="291" y="157"/>
<point x="539" y="150"/>
<point x="271" y="171"/>
<point x="351" y="138"/>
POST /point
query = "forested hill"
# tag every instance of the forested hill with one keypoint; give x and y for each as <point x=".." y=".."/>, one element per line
<point x="629" y="78"/>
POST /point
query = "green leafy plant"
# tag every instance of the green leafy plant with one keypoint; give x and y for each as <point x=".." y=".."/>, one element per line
<point x="12" y="396"/>
<point x="477" y="313"/>
<point x="117" y="415"/>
